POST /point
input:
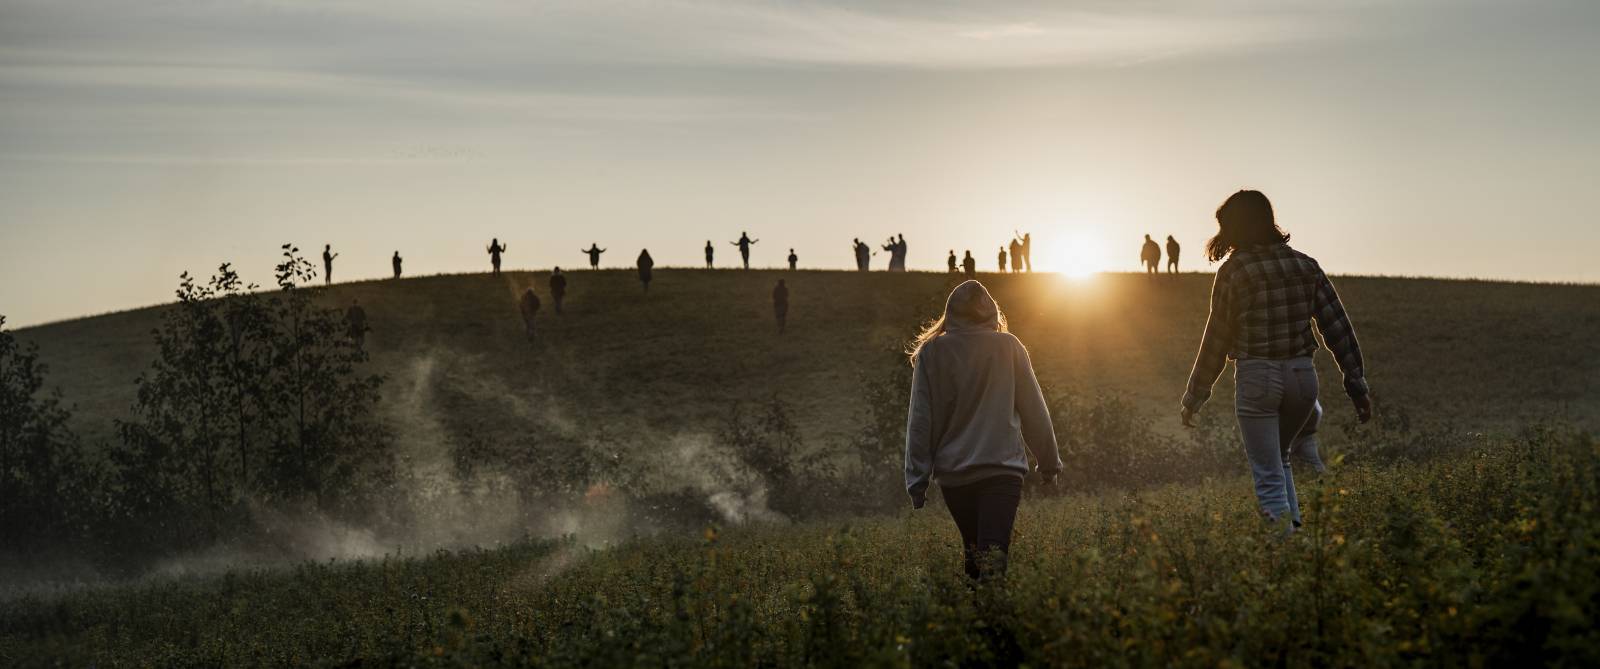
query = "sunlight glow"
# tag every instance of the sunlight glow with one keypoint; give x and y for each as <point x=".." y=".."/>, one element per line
<point x="1072" y="252"/>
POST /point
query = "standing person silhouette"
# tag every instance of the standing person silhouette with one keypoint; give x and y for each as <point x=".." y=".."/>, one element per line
<point x="863" y="255"/>
<point x="356" y="319"/>
<point x="1263" y="302"/>
<point x="558" y="287"/>
<point x="900" y="246"/>
<point x="495" y="250"/>
<point x="976" y="410"/>
<point x="396" y="262"/>
<point x="744" y="247"/>
<point x="970" y="265"/>
<point x="1002" y="260"/>
<point x="950" y="262"/>
<point x="327" y="263"/>
<point x="593" y="252"/>
<point x="794" y="260"/>
<point x="780" y="305"/>
<point x="710" y="251"/>
<point x="1025" y="246"/>
<point x="1150" y="255"/>
<point x="1172" y="255"/>
<point x="529" y="306"/>
<point x="645" y="264"/>
<point x="1016" y="256"/>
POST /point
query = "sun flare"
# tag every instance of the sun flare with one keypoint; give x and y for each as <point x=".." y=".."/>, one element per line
<point x="1074" y="254"/>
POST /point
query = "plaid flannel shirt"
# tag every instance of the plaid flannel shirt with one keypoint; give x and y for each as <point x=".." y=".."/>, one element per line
<point x="1262" y="305"/>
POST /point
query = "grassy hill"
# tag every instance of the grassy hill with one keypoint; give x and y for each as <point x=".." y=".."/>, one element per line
<point x="632" y="370"/>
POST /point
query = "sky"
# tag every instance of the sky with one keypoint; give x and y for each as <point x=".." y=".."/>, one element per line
<point x="1404" y="137"/>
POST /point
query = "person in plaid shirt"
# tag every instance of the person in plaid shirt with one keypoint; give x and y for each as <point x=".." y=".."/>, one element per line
<point x="1263" y="302"/>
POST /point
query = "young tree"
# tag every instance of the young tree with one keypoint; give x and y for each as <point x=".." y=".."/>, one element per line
<point x="40" y="461"/>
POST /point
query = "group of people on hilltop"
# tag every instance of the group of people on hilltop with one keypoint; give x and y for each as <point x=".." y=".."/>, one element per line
<point x="1150" y="255"/>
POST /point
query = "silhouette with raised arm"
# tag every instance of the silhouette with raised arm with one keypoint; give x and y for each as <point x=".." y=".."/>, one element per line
<point x="744" y="247"/>
<point x="950" y="262"/>
<point x="780" y="305"/>
<point x="593" y="252"/>
<point x="1172" y="255"/>
<point x="396" y="262"/>
<point x="1002" y="260"/>
<point x="1027" y="251"/>
<point x="863" y="255"/>
<point x="327" y="263"/>
<point x="1264" y="301"/>
<point x="356" y="319"/>
<point x="645" y="264"/>
<point x="794" y="260"/>
<point x="1150" y="255"/>
<point x="710" y="251"/>
<point x="495" y="250"/>
<point x="969" y="264"/>
<point x="976" y="412"/>
<point x="558" y="287"/>
<point x="529" y="306"/>
<point x="1016" y="256"/>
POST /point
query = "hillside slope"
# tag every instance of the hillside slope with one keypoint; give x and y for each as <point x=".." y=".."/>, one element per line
<point x="635" y="370"/>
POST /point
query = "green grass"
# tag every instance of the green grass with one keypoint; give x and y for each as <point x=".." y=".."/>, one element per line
<point x="635" y="371"/>
<point x="1487" y="557"/>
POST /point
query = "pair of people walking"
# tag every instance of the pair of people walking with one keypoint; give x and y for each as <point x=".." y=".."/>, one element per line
<point x="976" y="408"/>
<point x="1150" y="255"/>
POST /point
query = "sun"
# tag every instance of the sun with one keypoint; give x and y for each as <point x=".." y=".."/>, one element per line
<point x="1074" y="254"/>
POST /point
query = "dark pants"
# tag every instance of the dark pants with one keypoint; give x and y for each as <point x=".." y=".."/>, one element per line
<point x="984" y="511"/>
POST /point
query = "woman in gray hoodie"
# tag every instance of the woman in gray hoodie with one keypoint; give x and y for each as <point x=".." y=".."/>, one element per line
<point x="976" y="411"/>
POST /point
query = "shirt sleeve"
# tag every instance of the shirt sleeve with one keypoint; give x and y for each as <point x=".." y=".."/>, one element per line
<point x="919" y="434"/>
<point x="1037" y="430"/>
<point x="1340" y="336"/>
<point x="1213" y="355"/>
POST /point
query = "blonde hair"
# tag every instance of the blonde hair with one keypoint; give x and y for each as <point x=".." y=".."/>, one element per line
<point x="969" y="304"/>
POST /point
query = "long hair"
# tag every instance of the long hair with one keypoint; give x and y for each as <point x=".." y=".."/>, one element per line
<point x="969" y="304"/>
<point x="1244" y="219"/>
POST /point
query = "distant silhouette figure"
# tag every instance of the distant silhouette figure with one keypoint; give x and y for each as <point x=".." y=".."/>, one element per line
<point x="710" y="252"/>
<point x="558" y="287"/>
<point x="495" y="249"/>
<point x="969" y="264"/>
<point x="1172" y="254"/>
<point x="529" y="306"/>
<point x="744" y="247"/>
<point x="645" y="265"/>
<point x="1002" y="260"/>
<point x="396" y="262"/>
<point x="897" y="253"/>
<point x="794" y="260"/>
<point x="1150" y="255"/>
<point x="356" y="318"/>
<point x="863" y="255"/>
<point x="1016" y="256"/>
<point x="950" y="262"/>
<point x="594" y="252"/>
<point x="1027" y="251"/>
<point x="780" y="305"/>
<point x="327" y="263"/>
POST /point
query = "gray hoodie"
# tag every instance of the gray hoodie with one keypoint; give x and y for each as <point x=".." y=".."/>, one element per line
<point x="975" y="404"/>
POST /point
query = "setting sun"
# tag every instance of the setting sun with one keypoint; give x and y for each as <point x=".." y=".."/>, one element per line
<point x="1075" y="253"/>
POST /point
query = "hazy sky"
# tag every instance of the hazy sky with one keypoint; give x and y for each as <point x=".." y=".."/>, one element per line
<point x="141" y="139"/>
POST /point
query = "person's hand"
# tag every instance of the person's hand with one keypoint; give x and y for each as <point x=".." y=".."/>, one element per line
<point x="1188" y="417"/>
<point x="1363" y="408"/>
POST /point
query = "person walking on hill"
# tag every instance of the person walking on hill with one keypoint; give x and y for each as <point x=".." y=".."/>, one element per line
<point x="1263" y="302"/>
<point x="744" y="247"/>
<point x="1026" y="246"/>
<point x="1150" y="255"/>
<point x="645" y="264"/>
<point x="495" y="251"/>
<point x="1016" y="256"/>
<point x="529" y="306"/>
<point x="1172" y="255"/>
<point x="396" y="262"/>
<point x="950" y="262"/>
<point x="976" y="411"/>
<point x="970" y="265"/>
<point x="558" y="287"/>
<point x="794" y="260"/>
<point x="356" y="319"/>
<point x="780" y="305"/>
<point x="863" y="255"/>
<point x="1002" y="260"/>
<point x="593" y="252"/>
<point x="327" y="263"/>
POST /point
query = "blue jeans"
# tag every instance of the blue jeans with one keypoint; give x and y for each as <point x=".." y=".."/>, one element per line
<point x="1276" y="400"/>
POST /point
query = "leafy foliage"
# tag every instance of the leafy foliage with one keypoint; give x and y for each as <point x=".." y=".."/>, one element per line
<point x="45" y="486"/>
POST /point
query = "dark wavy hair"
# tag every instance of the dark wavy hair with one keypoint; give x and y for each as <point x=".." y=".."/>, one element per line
<point x="1244" y="219"/>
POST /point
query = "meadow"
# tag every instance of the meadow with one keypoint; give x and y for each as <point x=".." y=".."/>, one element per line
<point x="663" y="479"/>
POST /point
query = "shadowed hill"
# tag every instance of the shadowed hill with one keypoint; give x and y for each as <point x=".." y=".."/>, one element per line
<point x="635" y="370"/>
